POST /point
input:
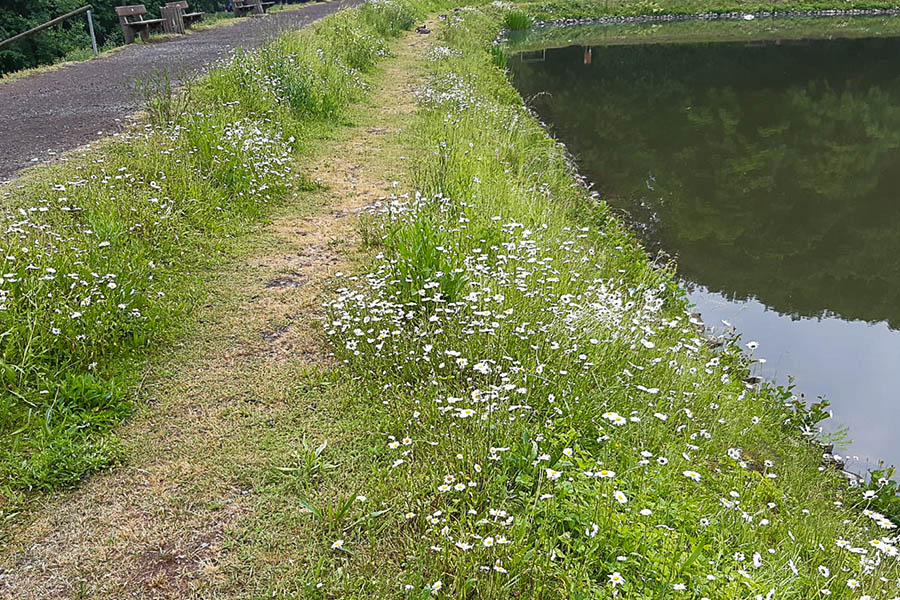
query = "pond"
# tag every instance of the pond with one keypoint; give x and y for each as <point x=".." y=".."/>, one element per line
<point x="770" y="170"/>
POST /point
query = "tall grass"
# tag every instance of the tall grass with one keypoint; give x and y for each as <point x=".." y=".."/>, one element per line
<point x="553" y="423"/>
<point x="516" y="20"/>
<point x="96" y="253"/>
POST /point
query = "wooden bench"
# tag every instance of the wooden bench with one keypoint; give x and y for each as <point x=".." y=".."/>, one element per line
<point x="176" y="17"/>
<point x="254" y="7"/>
<point x="189" y="17"/>
<point x="132" y="20"/>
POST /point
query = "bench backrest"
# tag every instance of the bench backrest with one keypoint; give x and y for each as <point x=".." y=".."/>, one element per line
<point x="127" y="13"/>
<point x="181" y="3"/>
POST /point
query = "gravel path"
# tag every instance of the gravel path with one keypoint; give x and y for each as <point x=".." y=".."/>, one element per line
<point x="49" y="113"/>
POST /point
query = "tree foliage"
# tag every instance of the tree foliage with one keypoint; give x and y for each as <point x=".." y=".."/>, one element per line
<point x="51" y="44"/>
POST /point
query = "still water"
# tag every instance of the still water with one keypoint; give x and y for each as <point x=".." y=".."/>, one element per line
<point x="771" y="171"/>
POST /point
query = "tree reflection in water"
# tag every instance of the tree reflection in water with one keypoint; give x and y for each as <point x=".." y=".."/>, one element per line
<point x="770" y="169"/>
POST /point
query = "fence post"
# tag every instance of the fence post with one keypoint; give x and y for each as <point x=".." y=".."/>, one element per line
<point x="91" y="29"/>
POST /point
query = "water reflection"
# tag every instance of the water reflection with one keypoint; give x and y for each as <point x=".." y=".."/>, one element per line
<point x="853" y="363"/>
<point x="772" y="171"/>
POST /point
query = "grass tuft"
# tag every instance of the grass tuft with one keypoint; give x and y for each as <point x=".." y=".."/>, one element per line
<point x="516" y="20"/>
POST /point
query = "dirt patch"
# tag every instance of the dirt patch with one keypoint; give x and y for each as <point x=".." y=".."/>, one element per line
<point x="179" y="568"/>
<point x="127" y="536"/>
<point x="278" y="332"/>
<point x="286" y="282"/>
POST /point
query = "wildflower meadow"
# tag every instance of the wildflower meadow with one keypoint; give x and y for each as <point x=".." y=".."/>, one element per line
<point x="540" y="413"/>
<point x="555" y="424"/>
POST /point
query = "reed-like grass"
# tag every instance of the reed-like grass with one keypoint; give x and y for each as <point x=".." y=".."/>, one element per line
<point x="517" y="20"/>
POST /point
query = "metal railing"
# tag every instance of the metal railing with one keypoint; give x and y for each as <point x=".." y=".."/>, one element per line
<point x="84" y="9"/>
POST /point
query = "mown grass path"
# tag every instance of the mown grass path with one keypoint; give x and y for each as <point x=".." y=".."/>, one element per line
<point x="52" y="112"/>
<point x="188" y="515"/>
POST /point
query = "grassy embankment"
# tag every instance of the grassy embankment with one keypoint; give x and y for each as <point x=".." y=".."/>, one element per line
<point x="99" y="253"/>
<point x="687" y="32"/>
<point x="586" y="9"/>
<point x="552" y="423"/>
<point x="537" y="414"/>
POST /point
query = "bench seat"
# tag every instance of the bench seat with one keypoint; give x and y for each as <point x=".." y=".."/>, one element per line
<point x="244" y="7"/>
<point x="132" y="20"/>
<point x="145" y="23"/>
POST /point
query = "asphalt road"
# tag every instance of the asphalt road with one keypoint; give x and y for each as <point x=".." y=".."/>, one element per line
<point x="46" y="114"/>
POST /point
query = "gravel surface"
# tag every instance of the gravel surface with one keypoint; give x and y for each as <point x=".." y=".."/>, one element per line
<point x="49" y="113"/>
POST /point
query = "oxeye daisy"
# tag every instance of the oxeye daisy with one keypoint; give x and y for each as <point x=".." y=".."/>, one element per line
<point x="694" y="475"/>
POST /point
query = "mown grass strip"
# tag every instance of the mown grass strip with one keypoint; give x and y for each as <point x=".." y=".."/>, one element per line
<point x="98" y="253"/>
<point x="688" y="32"/>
